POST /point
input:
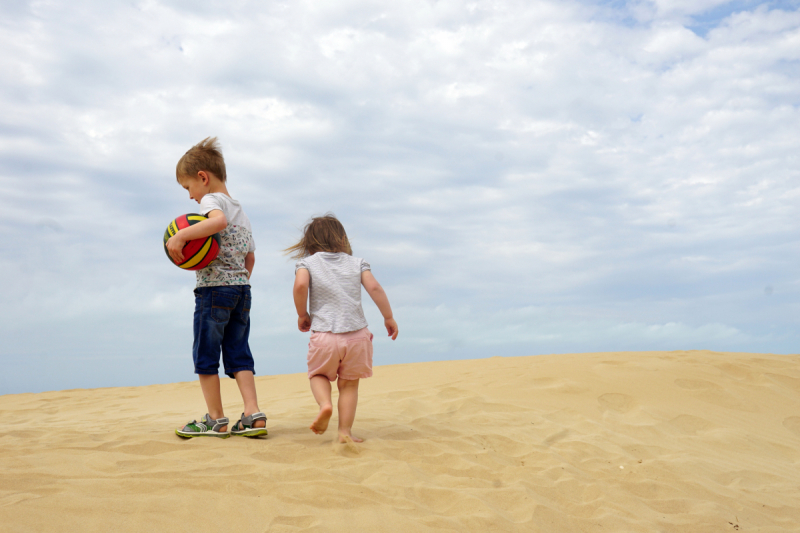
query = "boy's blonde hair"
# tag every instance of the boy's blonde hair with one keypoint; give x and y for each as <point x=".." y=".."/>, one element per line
<point x="321" y="234"/>
<point x="205" y="155"/>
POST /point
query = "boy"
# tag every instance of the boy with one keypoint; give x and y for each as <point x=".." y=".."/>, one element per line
<point x="222" y="296"/>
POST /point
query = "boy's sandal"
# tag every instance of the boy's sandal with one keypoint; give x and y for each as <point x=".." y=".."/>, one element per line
<point x="244" y="426"/>
<point x="207" y="427"/>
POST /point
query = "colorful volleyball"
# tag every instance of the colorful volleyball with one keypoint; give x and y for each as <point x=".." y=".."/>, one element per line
<point x="197" y="253"/>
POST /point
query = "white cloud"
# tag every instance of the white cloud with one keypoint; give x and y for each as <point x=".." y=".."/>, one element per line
<point x="529" y="177"/>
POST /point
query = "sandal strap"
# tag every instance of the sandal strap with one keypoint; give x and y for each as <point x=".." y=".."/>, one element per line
<point x="247" y="421"/>
<point x="215" y="425"/>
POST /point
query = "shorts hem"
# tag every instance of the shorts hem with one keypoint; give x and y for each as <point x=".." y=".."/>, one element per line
<point x="362" y="376"/>
<point x="310" y="375"/>
<point x="230" y="373"/>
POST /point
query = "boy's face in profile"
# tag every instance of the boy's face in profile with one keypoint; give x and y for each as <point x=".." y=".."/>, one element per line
<point x="196" y="185"/>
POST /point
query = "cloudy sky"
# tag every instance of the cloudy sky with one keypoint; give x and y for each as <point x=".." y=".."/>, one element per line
<point x="525" y="177"/>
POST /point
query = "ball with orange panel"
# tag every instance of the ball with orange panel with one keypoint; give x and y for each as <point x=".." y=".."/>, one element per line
<point x="197" y="253"/>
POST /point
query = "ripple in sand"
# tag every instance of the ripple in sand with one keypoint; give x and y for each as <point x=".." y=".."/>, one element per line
<point x="690" y="425"/>
<point x="696" y="384"/>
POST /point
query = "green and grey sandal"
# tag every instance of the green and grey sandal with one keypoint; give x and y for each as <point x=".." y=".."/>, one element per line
<point x="244" y="426"/>
<point x="207" y="427"/>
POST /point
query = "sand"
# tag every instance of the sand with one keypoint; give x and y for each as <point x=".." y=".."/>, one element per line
<point x="693" y="441"/>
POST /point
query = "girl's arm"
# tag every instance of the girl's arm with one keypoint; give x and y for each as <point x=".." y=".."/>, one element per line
<point x="378" y="296"/>
<point x="300" y="293"/>
<point x="216" y="222"/>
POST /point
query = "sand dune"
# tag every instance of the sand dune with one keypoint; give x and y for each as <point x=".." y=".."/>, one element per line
<point x="692" y="441"/>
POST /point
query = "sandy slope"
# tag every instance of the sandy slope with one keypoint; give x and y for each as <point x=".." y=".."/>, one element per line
<point x="659" y="441"/>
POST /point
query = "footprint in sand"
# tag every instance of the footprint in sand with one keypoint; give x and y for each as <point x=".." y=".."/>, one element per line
<point x="711" y="392"/>
<point x="789" y="382"/>
<point x="148" y="448"/>
<point x="449" y="393"/>
<point x="740" y="372"/>
<point x="613" y="401"/>
<point x="772" y="363"/>
<point x="348" y="448"/>
<point x="544" y="383"/>
<point x="792" y="424"/>
<point x="294" y="522"/>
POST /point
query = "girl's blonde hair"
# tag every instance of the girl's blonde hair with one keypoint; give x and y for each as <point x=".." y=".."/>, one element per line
<point x="321" y="234"/>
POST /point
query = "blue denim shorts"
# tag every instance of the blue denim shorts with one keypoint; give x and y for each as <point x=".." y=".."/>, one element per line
<point x="222" y="323"/>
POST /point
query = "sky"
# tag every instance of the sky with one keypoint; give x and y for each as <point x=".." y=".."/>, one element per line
<point x="525" y="177"/>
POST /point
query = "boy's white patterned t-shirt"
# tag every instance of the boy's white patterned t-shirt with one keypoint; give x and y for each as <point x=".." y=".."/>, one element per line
<point x="236" y="241"/>
<point x="335" y="291"/>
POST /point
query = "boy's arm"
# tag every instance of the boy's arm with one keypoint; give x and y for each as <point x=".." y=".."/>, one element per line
<point x="378" y="296"/>
<point x="249" y="262"/>
<point x="216" y="222"/>
<point x="300" y="292"/>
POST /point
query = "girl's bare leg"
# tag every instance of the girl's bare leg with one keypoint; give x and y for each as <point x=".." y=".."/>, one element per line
<point x="348" y="400"/>
<point x="321" y="388"/>
<point x="247" y="387"/>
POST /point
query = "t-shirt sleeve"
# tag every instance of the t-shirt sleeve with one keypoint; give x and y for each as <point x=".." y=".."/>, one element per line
<point x="209" y="203"/>
<point x="300" y="264"/>
<point x="365" y="266"/>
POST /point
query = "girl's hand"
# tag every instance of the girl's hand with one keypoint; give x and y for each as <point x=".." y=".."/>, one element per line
<point x="175" y="246"/>
<point x="304" y="322"/>
<point x="391" y="327"/>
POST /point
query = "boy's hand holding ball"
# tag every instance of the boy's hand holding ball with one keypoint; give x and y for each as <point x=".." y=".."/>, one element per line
<point x="175" y="246"/>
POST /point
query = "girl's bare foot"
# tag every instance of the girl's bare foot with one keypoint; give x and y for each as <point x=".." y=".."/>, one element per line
<point x="320" y="424"/>
<point x="346" y="437"/>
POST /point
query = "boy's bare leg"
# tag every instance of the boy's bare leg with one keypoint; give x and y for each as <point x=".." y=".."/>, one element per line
<point x="210" y="385"/>
<point x="247" y="387"/>
<point x="348" y="400"/>
<point x="321" y="388"/>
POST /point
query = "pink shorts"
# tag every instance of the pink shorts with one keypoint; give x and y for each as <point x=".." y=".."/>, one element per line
<point x="348" y="355"/>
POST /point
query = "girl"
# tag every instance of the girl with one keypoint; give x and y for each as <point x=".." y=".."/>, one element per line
<point x="341" y="344"/>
